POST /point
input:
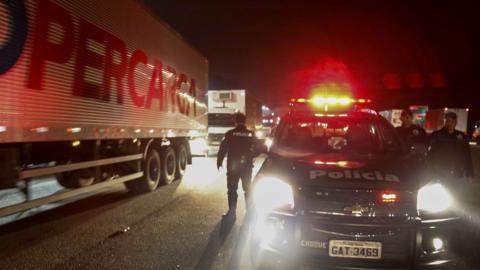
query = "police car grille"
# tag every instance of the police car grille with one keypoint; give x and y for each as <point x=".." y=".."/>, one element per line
<point x="339" y="205"/>
<point x="377" y="220"/>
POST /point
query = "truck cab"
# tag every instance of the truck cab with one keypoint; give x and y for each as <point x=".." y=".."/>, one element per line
<point x="222" y="105"/>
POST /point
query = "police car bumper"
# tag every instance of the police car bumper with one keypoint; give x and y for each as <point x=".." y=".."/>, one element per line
<point x="309" y="241"/>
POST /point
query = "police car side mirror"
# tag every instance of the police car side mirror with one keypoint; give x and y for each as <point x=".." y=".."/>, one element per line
<point x="418" y="149"/>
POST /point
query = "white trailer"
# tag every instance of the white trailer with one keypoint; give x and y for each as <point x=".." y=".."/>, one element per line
<point x="93" y="91"/>
<point x="222" y="105"/>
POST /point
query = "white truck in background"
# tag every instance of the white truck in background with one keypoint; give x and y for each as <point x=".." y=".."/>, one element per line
<point x="393" y="116"/>
<point x="222" y="105"/>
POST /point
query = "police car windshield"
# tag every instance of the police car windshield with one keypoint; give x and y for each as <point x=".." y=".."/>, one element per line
<point x="332" y="135"/>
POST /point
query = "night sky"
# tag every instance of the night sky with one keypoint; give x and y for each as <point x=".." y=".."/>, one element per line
<point x="274" y="48"/>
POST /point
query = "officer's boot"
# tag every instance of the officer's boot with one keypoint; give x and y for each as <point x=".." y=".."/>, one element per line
<point x="232" y="208"/>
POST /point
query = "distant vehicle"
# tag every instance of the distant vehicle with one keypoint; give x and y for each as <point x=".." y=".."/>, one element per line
<point x="393" y="116"/>
<point x="338" y="191"/>
<point x="87" y="97"/>
<point x="476" y="132"/>
<point x="222" y="105"/>
<point x="435" y="119"/>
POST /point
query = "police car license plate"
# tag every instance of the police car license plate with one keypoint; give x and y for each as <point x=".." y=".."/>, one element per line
<point x="355" y="249"/>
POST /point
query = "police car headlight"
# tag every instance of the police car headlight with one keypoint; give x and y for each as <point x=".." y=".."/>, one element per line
<point x="271" y="193"/>
<point x="434" y="198"/>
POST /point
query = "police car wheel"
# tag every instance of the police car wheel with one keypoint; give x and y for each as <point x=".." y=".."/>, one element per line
<point x="169" y="165"/>
<point x="181" y="161"/>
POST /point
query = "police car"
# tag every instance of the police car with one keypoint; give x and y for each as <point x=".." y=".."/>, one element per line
<point x="340" y="191"/>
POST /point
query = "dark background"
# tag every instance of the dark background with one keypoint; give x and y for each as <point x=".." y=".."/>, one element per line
<point x="276" y="49"/>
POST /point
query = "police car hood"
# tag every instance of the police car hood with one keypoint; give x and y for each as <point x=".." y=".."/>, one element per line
<point x="386" y="171"/>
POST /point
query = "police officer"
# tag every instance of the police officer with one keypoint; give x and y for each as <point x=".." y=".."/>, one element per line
<point x="449" y="153"/>
<point x="410" y="133"/>
<point x="238" y="144"/>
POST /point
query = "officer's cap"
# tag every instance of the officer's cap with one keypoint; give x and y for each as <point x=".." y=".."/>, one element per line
<point x="451" y="115"/>
<point x="240" y="118"/>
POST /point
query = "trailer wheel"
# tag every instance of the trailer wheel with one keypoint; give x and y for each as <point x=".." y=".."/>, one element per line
<point x="151" y="167"/>
<point x="182" y="159"/>
<point x="77" y="179"/>
<point x="152" y="171"/>
<point x="169" y="165"/>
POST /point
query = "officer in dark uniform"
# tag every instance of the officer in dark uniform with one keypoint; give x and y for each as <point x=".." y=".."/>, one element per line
<point x="410" y="133"/>
<point x="449" y="153"/>
<point x="238" y="144"/>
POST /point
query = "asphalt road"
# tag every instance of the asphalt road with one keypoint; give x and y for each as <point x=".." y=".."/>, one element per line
<point x="176" y="227"/>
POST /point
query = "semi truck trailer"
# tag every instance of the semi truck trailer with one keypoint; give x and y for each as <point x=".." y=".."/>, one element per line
<point x="95" y="93"/>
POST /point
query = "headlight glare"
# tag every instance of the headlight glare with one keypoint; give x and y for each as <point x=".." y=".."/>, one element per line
<point x="272" y="193"/>
<point x="198" y="146"/>
<point x="434" y="198"/>
<point x="268" y="143"/>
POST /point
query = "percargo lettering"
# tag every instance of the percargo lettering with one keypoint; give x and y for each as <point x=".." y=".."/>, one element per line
<point x="138" y="57"/>
<point x="43" y="50"/>
<point x="56" y="39"/>
<point x="354" y="174"/>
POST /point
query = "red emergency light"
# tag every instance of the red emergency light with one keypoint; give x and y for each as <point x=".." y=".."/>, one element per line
<point x="389" y="196"/>
<point x="321" y="104"/>
<point x="321" y="100"/>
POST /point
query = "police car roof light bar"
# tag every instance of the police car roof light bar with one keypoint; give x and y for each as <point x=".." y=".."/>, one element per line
<point x="329" y="106"/>
<point x="321" y="100"/>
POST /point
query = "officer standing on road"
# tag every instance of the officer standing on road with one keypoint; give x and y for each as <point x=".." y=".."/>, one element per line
<point x="410" y="133"/>
<point x="449" y="153"/>
<point x="238" y="144"/>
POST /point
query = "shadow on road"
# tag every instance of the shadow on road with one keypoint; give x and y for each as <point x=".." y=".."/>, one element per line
<point x="95" y="203"/>
<point x="240" y="246"/>
<point x="215" y="243"/>
<point x="80" y="206"/>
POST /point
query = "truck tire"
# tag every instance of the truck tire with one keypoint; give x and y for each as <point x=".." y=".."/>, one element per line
<point x="77" y="179"/>
<point x="151" y="167"/>
<point x="182" y="160"/>
<point x="169" y="165"/>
